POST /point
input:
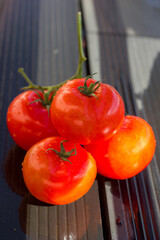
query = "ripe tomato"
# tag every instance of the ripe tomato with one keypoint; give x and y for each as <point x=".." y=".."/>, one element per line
<point x="83" y="118"/>
<point x="53" y="180"/>
<point x="29" y="122"/>
<point x="128" y="152"/>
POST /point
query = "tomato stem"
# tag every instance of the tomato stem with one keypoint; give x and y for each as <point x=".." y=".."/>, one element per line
<point x="28" y="80"/>
<point x="78" y="73"/>
<point x="63" y="154"/>
<point x="82" y="57"/>
<point x="47" y="90"/>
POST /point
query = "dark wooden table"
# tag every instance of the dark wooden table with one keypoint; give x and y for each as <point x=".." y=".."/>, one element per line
<point x="41" y="37"/>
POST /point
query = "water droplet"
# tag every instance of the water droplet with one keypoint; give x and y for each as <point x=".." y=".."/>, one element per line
<point x="119" y="222"/>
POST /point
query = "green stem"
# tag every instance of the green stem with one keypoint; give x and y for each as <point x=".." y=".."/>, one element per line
<point x="24" y="75"/>
<point x="82" y="57"/>
<point x="46" y="90"/>
<point x="78" y="73"/>
<point x="31" y="85"/>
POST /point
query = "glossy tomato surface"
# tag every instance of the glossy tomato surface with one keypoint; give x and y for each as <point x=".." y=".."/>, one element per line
<point x="29" y="122"/>
<point x="53" y="180"/>
<point x="128" y="152"/>
<point x="86" y="119"/>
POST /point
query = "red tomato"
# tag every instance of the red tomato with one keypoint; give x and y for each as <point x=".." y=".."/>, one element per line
<point x="29" y="122"/>
<point x="128" y="152"/>
<point x="53" y="180"/>
<point x="86" y="119"/>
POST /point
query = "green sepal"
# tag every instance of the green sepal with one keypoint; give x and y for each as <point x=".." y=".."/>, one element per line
<point x="89" y="90"/>
<point x="63" y="154"/>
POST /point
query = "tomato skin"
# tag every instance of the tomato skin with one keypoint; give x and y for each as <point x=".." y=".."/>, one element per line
<point x="85" y="119"/>
<point x="53" y="180"/>
<point x="128" y="152"/>
<point x="29" y="122"/>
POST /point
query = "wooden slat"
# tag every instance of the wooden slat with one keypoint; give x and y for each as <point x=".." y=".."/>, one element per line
<point x="126" y="61"/>
<point x="127" y="17"/>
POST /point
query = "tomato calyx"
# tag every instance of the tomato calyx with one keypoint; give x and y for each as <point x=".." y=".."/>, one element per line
<point x="63" y="154"/>
<point x="45" y="100"/>
<point x="47" y="92"/>
<point x="89" y="90"/>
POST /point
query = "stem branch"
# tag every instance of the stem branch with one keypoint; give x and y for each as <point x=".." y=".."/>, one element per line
<point x="46" y="90"/>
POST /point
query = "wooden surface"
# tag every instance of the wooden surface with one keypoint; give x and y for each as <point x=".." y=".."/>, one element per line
<point x="41" y="37"/>
<point x="128" y="46"/>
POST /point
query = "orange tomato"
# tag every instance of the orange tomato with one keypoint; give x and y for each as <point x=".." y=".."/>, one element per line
<point x="128" y="152"/>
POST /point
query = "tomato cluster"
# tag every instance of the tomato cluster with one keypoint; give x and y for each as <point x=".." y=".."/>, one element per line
<point x="73" y="130"/>
<point x="56" y="168"/>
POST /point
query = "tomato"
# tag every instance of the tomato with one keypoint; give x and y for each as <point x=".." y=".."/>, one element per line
<point x="54" y="180"/>
<point x="86" y="118"/>
<point x="28" y="121"/>
<point x="128" y="152"/>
